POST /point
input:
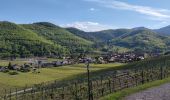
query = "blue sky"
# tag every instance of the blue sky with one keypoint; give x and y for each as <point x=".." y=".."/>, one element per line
<point x="89" y="15"/>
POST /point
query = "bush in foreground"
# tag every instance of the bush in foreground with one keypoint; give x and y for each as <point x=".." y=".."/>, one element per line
<point x="13" y="73"/>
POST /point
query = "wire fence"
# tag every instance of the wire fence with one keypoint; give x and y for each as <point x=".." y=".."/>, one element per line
<point x="99" y="86"/>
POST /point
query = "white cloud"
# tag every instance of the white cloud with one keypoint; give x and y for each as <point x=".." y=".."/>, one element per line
<point x="89" y="26"/>
<point x="92" y="9"/>
<point x="154" y="13"/>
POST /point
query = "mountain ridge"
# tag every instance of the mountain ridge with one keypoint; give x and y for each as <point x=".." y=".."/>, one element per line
<point x="140" y="38"/>
<point x="44" y="39"/>
<point x="164" y="31"/>
<point x="18" y="41"/>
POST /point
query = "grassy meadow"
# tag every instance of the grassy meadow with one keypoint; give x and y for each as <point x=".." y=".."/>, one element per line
<point x="47" y="74"/>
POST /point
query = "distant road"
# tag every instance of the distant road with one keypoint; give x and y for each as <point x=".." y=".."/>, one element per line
<point x="19" y="92"/>
<point x="157" y="93"/>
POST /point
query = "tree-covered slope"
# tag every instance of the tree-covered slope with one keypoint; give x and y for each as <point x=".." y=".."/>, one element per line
<point x="82" y="34"/>
<point x="99" y="36"/>
<point x="44" y="39"/>
<point x="59" y="36"/>
<point x="18" y="41"/>
<point x="142" y="40"/>
<point x="164" y="31"/>
<point x="107" y="35"/>
<point x="139" y="38"/>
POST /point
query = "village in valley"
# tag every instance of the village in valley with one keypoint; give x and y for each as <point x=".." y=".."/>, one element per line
<point x="84" y="50"/>
<point x="34" y="64"/>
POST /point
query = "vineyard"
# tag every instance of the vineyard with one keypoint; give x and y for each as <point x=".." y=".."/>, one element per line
<point x="111" y="81"/>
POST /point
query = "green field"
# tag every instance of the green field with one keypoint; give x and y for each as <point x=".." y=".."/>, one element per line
<point x="48" y="74"/>
<point x="78" y="71"/>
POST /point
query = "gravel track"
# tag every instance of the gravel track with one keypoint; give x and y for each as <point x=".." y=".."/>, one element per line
<point x="157" y="93"/>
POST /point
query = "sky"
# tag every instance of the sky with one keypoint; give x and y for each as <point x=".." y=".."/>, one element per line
<point x="88" y="15"/>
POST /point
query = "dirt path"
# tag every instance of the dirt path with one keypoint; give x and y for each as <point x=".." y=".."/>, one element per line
<point x="157" y="93"/>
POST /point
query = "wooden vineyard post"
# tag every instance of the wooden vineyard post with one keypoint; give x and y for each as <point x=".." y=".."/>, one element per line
<point x="88" y="78"/>
<point x="32" y="97"/>
<point x="91" y="92"/>
<point x="45" y="93"/>
<point x="16" y="95"/>
<point x="120" y="85"/>
<point x="42" y="93"/>
<point x="161" y="72"/>
<point x="52" y="92"/>
<point x="147" y="75"/>
<point x="5" y="98"/>
<point x="136" y="78"/>
<point x="113" y="85"/>
<point x="62" y="95"/>
<point x="80" y="89"/>
<point x="142" y="75"/>
<point x="24" y="94"/>
<point x="110" y="88"/>
<point x="10" y="95"/>
<point x="114" y="81"/>
<point x="152" y="72"/>
<point x="165" y="72"/>
<point x="128" y="78"/>
<point x="76" y="93"/>
<point x="102" y="88"/>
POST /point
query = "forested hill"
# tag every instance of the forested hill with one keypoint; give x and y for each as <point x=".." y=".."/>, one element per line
<point x="17" y="41"/>
<point x="99" y="36"/>
<point x="39" y="39"/>
<point x="59" y="36"/>
<point x="140" y="39"/>
<point x="143" y="40"/>
<point x="47" y="39"/>
<point x="164" y="31"/>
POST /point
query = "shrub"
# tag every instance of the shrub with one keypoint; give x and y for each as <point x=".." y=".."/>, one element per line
<point x="13" y="73"/>
<point x="5" y="71"/>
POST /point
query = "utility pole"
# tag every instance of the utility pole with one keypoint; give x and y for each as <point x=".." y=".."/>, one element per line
<point x="88" y="78"/>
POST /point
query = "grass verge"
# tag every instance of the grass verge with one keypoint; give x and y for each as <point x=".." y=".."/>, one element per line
<point x="123" y="93"/>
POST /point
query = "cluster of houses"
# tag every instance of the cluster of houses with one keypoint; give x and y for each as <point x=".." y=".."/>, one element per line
<point x="23" y="68"/>
<point x="43" y="62"/>
<point x="3" y="69"/>
<point x="120" y="57"/>
<point x="34" y="64"/>
<point x="115" y="57"/>
<point x="126" y="57"/>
